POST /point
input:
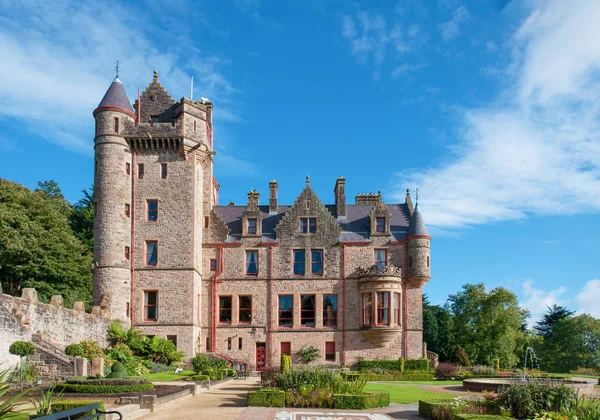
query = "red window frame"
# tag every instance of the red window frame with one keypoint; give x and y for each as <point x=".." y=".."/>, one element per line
<point x="116" y="125"/>
<point x="367" y="310"/>
<point x="150" y="305"/>
<point x="127" y="210"/>
<point x="163" y="171"/>
<point x="305" y="317"/>
<point x="127" y="253"/>
<point x="285" y="311"/>
<point x="224" y="309"/>
<point x="396" y="308"/>
<point x="380" y="224"/>
<point x="150" y="212"/>
<point x="312" y="262"/>
<point x="244" y="308"/>
<point x="307" y="225"/>
<point x="383" y="308"/>
<point x="140" y="171"/>
<point x="380" y="264"/>
<point x="299" y="262"/>
<point x="252" y="226"/>
<point x="213" y="264"/>
<point x="249" y="263"/>
<point x="330" y="351"/>
<point x="330" y="320"/>
<point x="285" y="347"/>
<point x="150" y="254"/>
<point x="128" y="168"/>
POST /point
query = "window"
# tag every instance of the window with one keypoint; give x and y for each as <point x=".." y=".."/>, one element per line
<point x="128" y="169"/>
<point x="127" y="310"/>
<point x="127" y="210"/>
<point x="410" y="261"/>
<point x="251" y="263"/>
<point x="308" y="225"/>
<point x="286" y="311"/>
<point x="380" y="259"/>
<point x="151" y="252"/>
<point x="396" y="308"/>
<point x="367" y="308"/>
<point x="229" y="343"/>
<point x="380" y="224"/>
<point x="116" y="125"/>
<point x="225" y="309"/>
<point x="251" y="226"/>
<point x="245" y="309"/>
<point x="316" y="262"/>
<point x="152" y="210"/>
<point x="207" y="344"/>
<point x="150" y="306"/>
<point x="299" y="262"/>
<point x="206" y="220"/>
<point x="213" y="264"/>
<point x="173" y="339"/>
<point x="154" y="119"/>
<point x="163" y="170"/>
<point x="383" y="304"/>
<point x="239" y="338"/>
<point x="140" y="171"/>
<point x="427" y="262"/>
<point x="285" y="348"/>
<point x="329" y="310"/>
<point x="307" y="311"/>
<point x="195" y="130"/>
<point x="126" y="252"/>
<point x="330" y="351"/>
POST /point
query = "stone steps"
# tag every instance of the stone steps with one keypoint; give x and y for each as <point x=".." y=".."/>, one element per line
<point x="129" y="412"/>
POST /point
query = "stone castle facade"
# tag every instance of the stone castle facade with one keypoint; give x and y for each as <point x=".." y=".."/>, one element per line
<point x="246" y="282"/>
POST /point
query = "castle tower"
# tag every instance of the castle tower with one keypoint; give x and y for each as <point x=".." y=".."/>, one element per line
<point x="112" y="203"/>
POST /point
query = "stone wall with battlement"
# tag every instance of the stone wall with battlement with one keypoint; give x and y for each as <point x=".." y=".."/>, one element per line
<point x="21" y="317"/>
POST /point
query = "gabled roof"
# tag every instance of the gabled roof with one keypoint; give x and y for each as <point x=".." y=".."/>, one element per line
<point x="115" y="97"/>
<point x="417" y="224"/>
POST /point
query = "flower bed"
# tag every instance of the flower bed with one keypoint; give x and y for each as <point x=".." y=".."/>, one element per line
<point x="267" y="397"/>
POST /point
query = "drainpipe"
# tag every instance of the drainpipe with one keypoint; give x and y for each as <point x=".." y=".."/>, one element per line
<point x="132" y="256"/>
<point x="213" y="343"/>
<point x="344" y="323"/>
<point x="406" y="300"/>
<point x="270" y="306"/>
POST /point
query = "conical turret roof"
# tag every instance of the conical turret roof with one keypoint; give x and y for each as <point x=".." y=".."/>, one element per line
<point x="115" y="97"/>
<point x="417" y="224"/>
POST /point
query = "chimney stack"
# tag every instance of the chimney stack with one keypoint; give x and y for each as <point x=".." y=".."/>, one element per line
<point x="253" y="201"/>
<point x="340" y="197"/>
<point x="273" y="197"/>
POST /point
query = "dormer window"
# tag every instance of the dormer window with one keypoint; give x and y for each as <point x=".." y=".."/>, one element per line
<point x="154" y="119"/>
<point x="308" y="224"/>
<point x="380" y="224"/>
<point x="251" y="226"/>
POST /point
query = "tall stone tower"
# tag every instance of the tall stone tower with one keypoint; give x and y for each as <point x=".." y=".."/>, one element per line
<point x="112" y="194"/>
<point x="154" y="192"/>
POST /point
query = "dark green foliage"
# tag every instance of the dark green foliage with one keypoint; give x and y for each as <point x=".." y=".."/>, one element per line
<point x="82" y="218"/>
<point x="106" y="381"/>
<point x="64" y="405"/>
<point x="21" y="349"/>
<point x="425" y="407"/>
<point x="268" y="397"/>
<point x="218" y="375"/>
<point x="374" y="377"/>
<point x="200" y="363"/>
<point x="37" y="246"/>
<point x="118" y="367"/>
<point x="74" y="350"/>
<point x="115" y="375"/>
<point x="361" y="401"/>
<point x="555" y="313"/>
<point x="438" y="330"/>
<point x="525" y="400"/>
<point x="411" y="365"/>
<point x="309" y="354"/>
<point x="397" y="365"/>
<point x="103" y="389"/>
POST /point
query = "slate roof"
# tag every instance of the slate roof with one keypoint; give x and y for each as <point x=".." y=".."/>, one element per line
<point x="355" y="228"/>
<point x="115" y="97"/>
<point x="417" y="224"/>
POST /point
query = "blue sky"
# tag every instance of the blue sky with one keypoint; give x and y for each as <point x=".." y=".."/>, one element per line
<point x="489" y="107"/>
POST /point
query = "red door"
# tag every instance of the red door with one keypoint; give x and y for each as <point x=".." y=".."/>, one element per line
<point x="260" y="355"/>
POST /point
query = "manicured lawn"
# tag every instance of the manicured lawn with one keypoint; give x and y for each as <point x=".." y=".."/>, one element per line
<point x="404" y="394"/>
<point x="570" y="375"/>
<point x="167" y="376"/>
<point x="429" y="383"/>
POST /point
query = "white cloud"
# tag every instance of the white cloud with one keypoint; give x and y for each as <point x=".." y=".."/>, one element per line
<point x="537" y="301"/>
<point x="588" y="301"/>
<point x="451" y="29"/>
<point x="536" y="150"/>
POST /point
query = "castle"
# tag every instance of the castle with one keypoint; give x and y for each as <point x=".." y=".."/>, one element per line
<point x="247" y="282"/>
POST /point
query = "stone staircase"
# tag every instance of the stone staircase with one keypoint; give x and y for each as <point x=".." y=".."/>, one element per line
<point x="129" y="412"/>
<point x="50" y="361"/>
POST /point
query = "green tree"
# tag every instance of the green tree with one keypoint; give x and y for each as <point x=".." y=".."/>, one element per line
<point x="53" y="192"/>
<point x="438" y="330"/>
<point x="21" y="349"/>
<point x="488" y="324"/>
<point x="38" y="248"/>
<point x="555" y="313"/>
<point x="82" y="218"/>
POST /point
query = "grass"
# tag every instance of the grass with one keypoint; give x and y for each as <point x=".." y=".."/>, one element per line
<point x="429" y="383"/>
<point x="570" y="375"/>
<point x="167" y="376"/>
<point x="404" y="394"/>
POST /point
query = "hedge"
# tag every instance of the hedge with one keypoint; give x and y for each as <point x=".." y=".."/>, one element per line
<point x="269" y="397"/>
<point x="416" y="364"/>
<point x="425" y="407"/>
<point x="218" y="375"/>
<point x="199" y="377"/>
<point x="106" y="381"/>
<point x="361" y="401"/>
<point x="102" y="389"/>
<point x="480" y="417"/>
<point x="409" y="365"/>
<point x="370" y="377"/>
<point x="351" y="376"/>
<point x="64" y="405"/>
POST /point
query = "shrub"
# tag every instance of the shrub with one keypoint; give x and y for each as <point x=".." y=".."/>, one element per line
<point x="586" y="371"/>
<point x="218" y="375"/>
<point x="524" y="400"/>
<point x="74" y="350"/>
<point x="426" y="406"/>
<point x="199" y="378"/>
<point x="351" y="376"/>
<point x="286" y="363"/>
<point x="361" y="401"/>
<point x="102" y="389"/>
<point x="317" y="377"/>
<point x="21" y="349"/>
<point x="309" y="354"/>
<point x="200" y="364"/>
<point x="416" y="365"/>
<point x="268" y="397"/>
<point x="106" y="381"/>
<point x="442" y="412"/>
<point x="482" y="371"/>
<point x="496" y="364"/>
<point x="462" y="357"/>
<point x="91" y="350"/>
<point x="446" y="371"/>
<point x="402" y="364"/>
<point x="309" y="396"/>
<point x="267" y="376"/>
<point x="118" y="367"/>
<point x="64" y="405"/>
<point x="115" y="375"/>
<point x="30" y="373"/>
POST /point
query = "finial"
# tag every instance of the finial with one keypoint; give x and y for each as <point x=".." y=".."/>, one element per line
<point x="117" y="68"/>
<point x="307" y="180"/>
<point x="417" y="196"/>
<point x="407" y="191"/>
<point x="155" y="76"/>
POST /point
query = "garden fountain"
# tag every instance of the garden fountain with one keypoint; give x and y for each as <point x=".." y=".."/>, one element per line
<point x="528" y="351"/>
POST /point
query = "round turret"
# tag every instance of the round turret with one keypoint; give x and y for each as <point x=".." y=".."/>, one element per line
<point x="418" y="239"/>
<point x="113" y="170"/>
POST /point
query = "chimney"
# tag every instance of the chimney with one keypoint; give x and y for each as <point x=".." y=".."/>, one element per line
<point x="253" y="201"/>
<point x="369" y="199"/>
<point x="273" y="197"/>
<point x="340" y="197"/>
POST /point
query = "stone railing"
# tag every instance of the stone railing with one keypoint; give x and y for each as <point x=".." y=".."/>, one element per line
<point x="372" y="271"/>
